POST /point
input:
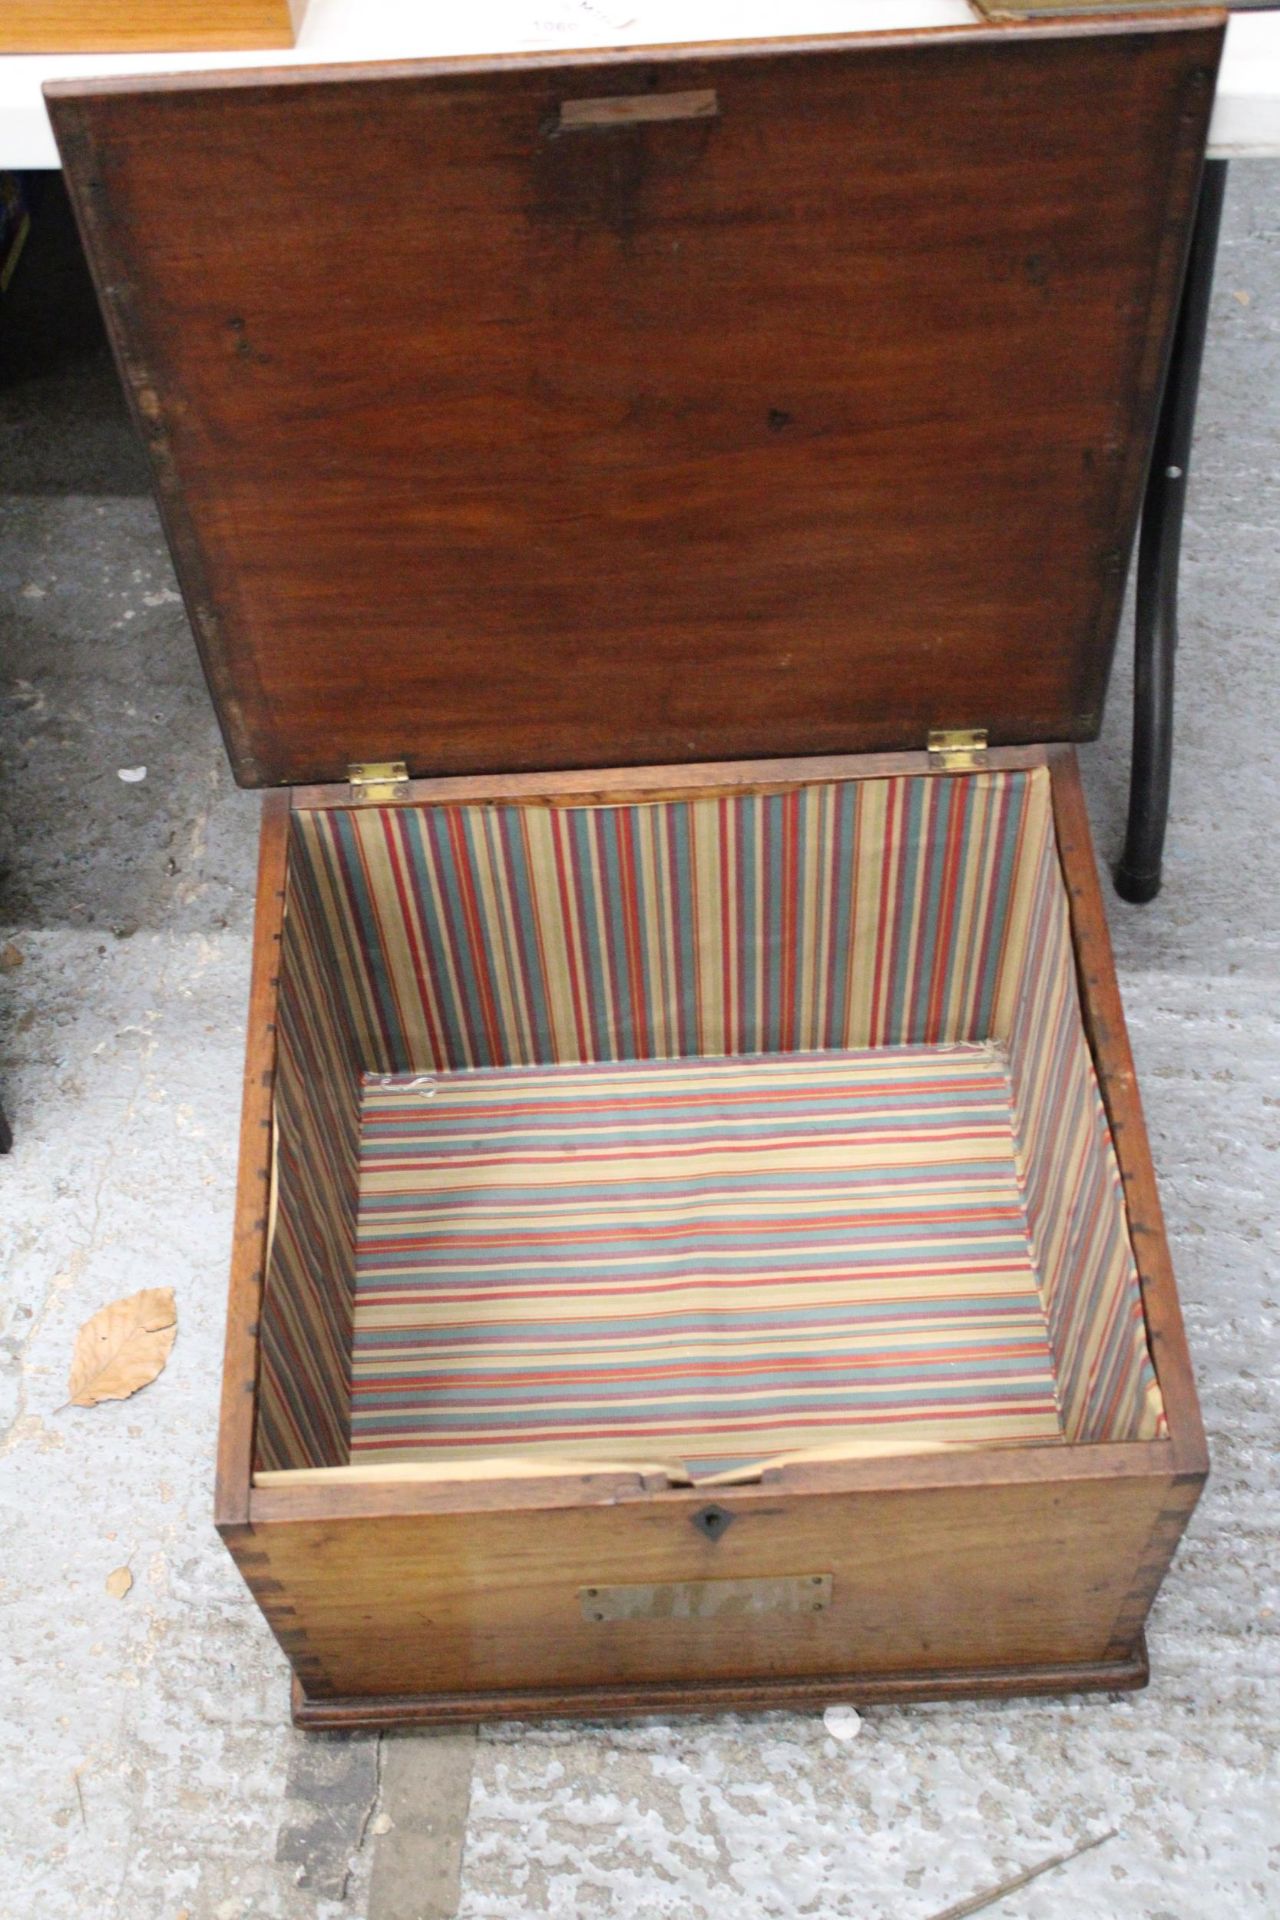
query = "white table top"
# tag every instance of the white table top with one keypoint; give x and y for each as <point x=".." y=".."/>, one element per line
<point x="1246" y="117"/>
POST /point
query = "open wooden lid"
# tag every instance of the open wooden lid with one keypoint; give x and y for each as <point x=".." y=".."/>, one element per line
<point x="653" y="406"/>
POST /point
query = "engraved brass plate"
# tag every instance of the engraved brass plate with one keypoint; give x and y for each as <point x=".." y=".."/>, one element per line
<point x="708" y="1599"/>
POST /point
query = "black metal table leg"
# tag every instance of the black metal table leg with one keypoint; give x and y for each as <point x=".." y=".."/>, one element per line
<point x="1159" y="552"/>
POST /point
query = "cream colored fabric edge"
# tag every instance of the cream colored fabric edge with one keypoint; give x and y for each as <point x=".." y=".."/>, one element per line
<point x="518" y="1467"/>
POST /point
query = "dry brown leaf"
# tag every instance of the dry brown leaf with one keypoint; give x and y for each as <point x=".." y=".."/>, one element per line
<point x="119" y="1583"/>
<point x="122" y="1347"/>
<point x="11" y="957"/>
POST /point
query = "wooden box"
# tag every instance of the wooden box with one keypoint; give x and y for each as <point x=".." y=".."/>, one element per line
<point x="697" y="1242"/>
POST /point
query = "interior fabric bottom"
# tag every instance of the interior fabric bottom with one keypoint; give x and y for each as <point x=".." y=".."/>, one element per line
<point x="708" y="1260"/>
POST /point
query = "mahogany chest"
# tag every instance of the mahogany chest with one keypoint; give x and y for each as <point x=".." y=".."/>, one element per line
<point x="656" y="523"/>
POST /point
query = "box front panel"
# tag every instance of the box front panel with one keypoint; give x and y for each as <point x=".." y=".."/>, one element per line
<point x="923" y="1581"/>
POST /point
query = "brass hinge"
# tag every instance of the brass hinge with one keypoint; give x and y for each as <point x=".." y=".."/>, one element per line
<point x="372" y="781"/>
<point x="957" y="749"/>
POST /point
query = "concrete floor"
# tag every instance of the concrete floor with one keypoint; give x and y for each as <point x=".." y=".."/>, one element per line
<point x="147" y="1769"/>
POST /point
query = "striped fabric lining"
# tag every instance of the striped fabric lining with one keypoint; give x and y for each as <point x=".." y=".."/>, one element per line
<point x="698" y="1261"/>
<point x="304" y="1384"/>
<point x="842" y="915"/>
<point x="866" y="913"/>
<point x="1072" y="1190"/>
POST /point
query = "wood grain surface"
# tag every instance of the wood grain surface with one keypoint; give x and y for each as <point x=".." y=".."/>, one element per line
<point x="799" y="427"/>
<point x="924" y="1580"/>
<point x="253" y="1189"/>
<point x="624" y="786"/>
<point x="162" y="26"/>
<point x="763" y="1695"/>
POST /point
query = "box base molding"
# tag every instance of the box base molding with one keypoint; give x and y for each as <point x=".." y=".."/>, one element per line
<point x="720" y="1696"/>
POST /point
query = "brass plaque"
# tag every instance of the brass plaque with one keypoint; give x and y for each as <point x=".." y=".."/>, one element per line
<point x="708" y="1599"/>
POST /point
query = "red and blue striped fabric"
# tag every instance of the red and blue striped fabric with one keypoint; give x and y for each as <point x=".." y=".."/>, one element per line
<point x="1072" y="1188"/>
<point x="304" y="1376"/>
<point x="756" y="934"/>
<point x="847" y="914"/>
<point x="700" y="1261"/>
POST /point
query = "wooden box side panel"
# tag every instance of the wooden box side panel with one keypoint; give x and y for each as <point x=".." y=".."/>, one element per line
<point x="1103" y="1015"/>
<point x="253" y="1191"/>
<point x="922" y="1581"/>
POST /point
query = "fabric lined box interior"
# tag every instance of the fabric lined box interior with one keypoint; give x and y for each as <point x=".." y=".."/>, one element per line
<point x="692" y="1134"/>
